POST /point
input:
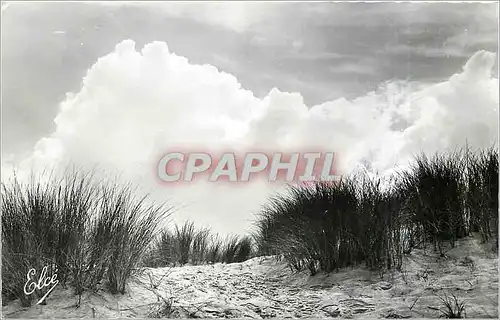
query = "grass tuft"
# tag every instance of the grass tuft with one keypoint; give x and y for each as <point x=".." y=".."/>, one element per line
<point x="87" y="231"/>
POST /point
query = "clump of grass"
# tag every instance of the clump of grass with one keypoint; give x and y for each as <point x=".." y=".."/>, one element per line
<point x="452" y="308"/>
<point x="44" y="222"/>
<point x="263" y="235"/>
<point x="184" y="238"/>
<point x="199" y="251"/>
<point x="214" y="249"/>
<point x="380" y="210"/>
<point x="326" y="226"/>
<point x="236" y="249"/>
<point x="435" y="190"/>
<point x="188" y="244"/>
<point x="230" y="249"/>
<point x="167" y="248"/>
<point x="482" y="192"/>
<point x="244" y="249"/>
<point x="84" y="230"/>
<point x="133" y="225"/>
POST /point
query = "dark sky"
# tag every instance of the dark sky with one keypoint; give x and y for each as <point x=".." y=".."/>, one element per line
<point x="322" y="50"/>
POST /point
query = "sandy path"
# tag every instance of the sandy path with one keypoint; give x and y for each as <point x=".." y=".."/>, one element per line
<point x="265" y="288"/>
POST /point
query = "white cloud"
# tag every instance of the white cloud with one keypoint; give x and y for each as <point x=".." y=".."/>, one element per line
<point x="135" y="106"/>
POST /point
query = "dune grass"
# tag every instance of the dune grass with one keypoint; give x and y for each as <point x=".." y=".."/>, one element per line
<point x="328" y="226"/>
<point x="87" y="231"/>
<point x="482" y="192"/>
<point x="187" y="244"/>
<point x="95" y="234"/>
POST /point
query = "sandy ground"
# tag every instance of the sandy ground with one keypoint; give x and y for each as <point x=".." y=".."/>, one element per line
<point x="264" y="288"/>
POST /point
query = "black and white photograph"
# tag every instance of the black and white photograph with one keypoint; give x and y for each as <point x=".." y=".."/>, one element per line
<point x="249" y="159"/>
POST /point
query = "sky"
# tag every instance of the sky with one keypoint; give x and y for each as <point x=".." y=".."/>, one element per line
<point x="118" y="84"/>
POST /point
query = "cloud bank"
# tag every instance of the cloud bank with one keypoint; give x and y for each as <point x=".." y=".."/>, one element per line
<point x="135" y="106"/>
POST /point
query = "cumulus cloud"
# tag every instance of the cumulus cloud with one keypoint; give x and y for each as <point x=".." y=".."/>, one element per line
<point x="136" y="105"/>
